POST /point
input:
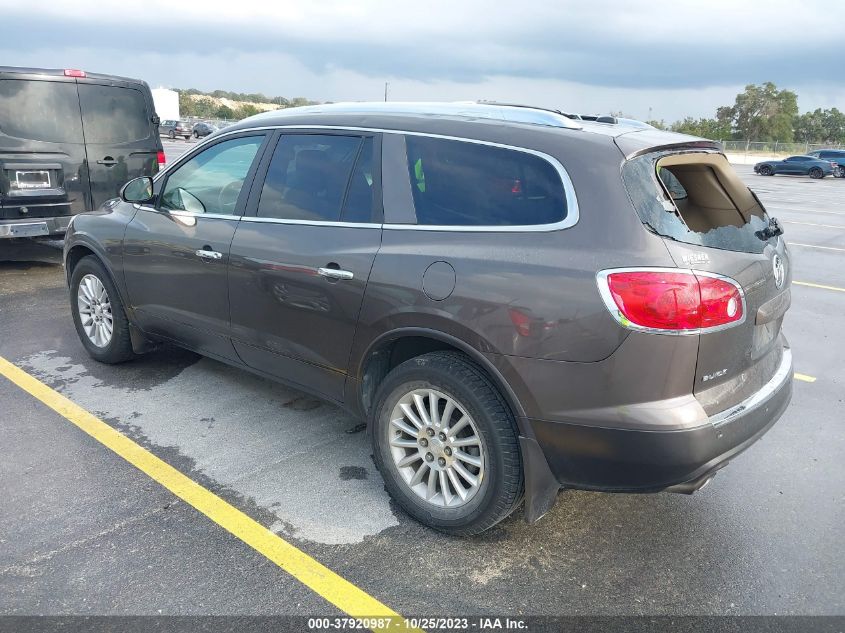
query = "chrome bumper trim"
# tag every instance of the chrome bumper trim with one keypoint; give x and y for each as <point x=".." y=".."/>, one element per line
<point x="783" y="373"/>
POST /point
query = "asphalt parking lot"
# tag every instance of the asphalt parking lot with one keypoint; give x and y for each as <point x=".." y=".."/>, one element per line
<point x="84" y="532"/>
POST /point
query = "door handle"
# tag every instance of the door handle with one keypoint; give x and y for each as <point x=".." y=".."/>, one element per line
<point x="108" y="161"/>
<point x="209" y="254"/>
<point x="335" y="273"/>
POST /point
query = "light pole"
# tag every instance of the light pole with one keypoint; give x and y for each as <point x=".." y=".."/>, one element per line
<point x="386" y="84"/>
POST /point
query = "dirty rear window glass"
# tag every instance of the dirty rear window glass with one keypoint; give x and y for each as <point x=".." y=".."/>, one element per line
<point x="40" y="110"/>
<point x="695" y="204"/>
<point x="456" y="183"/>
<point x="113" y="115"/>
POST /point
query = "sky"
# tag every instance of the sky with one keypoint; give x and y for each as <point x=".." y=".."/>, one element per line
<point x="647" y="58"/>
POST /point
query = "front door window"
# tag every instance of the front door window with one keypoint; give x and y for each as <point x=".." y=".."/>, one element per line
<point x="211" y="181"/>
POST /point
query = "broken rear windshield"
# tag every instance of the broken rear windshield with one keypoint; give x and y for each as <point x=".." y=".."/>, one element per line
<point x="696" y="198"/>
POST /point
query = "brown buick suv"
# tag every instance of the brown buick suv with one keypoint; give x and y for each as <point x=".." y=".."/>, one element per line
<point x="515" y="302"/>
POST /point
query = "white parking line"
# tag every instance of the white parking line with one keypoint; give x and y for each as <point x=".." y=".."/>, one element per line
<point x="785" y="209"/>
<point x="826" y="226"/>
<point x="827" y="248"/>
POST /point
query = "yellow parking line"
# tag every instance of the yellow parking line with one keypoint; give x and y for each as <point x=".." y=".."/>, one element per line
<point x="826" y="248"/>
<point x="826" y="226"/>
<point x="822" y="286"/>
<point x="338" y="591"/>
<point x="804" y="377"/>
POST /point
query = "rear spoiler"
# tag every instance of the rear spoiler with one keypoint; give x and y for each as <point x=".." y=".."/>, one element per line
<point x="636" y="143"/>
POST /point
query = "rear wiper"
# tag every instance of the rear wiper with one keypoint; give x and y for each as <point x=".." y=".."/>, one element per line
<point x="773" y="230"/>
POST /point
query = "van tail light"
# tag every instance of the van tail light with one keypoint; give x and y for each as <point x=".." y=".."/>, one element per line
<point x="160" y="158"/>
<point x="73" y="72"/>
<point x="671" y="300"/>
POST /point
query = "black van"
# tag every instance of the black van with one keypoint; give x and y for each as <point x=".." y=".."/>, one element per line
<point x="68" y="141"/>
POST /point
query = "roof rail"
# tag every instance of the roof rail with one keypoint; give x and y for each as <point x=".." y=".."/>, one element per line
<point x="468" y="110"/>
<point x="518" y="105"/>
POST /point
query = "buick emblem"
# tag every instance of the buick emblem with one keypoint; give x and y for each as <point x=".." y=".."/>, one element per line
<point x="779" y="269"/>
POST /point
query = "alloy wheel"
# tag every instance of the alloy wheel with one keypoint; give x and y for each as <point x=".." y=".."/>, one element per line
<point x="436" y="448"/>
<point x="95" y="313"/>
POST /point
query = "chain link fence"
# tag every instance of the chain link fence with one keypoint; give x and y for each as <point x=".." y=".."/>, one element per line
<point x="751" y="152"/>
<point x="775" y="148"/>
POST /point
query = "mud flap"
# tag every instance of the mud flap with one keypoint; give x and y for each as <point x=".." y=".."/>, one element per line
<point x="140" y="343"/>
<point x="541" y="486"/>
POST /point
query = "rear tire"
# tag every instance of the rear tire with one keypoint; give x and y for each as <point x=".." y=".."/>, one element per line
<point x="196" y="134"/>
<point x="765" y="170"/>
<point x="424" y="460"/>
<point x="98" y="313"/>
<point x="816" y="173"/>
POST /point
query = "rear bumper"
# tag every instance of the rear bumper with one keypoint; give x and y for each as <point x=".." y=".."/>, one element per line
<point x="34" y="227"/>
<point x="682" y="460"/>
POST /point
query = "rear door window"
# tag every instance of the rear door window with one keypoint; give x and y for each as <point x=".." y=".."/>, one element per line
<point x="113" y="115"/>
<point x="696" y="198"/>
<point x="308" y="177"/>
<point x="459" y="183"/>
<point x="40" y="110"/>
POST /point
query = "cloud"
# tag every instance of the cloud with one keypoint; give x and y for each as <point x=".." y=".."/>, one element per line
<point x="651" y="46"/>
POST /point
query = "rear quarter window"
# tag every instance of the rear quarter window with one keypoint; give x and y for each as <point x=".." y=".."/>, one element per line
<point x="695" y="199"/>
<point x="113" y="115"/>
<point x="40" y="110"/>
<point x="460" y="183"/>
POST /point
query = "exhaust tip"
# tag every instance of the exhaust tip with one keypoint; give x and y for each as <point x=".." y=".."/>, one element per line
<point x="689" y="487"/>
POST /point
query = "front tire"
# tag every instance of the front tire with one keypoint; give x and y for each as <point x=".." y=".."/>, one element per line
<point x="446" y="444"/>
<point x="816" y="173"/>
<point x="98" y="313"/>
<point x="196" y="134"/>
<point x="765" y="170"/>
<point x="171" y="134"/>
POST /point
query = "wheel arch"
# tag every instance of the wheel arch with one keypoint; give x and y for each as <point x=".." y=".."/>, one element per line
<point x="76" y="254"/>
<point x="396" y="346"/>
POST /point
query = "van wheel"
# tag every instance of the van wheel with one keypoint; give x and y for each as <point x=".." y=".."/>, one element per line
<point x="816" y="173"/>
<point x="446" y="444"/>
<point x="98" y="313"/>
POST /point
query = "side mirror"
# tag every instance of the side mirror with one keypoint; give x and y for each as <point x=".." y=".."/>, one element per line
<point x="137" y="190"/>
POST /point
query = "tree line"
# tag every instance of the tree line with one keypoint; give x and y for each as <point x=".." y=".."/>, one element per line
<point x="764" y="113"/>
<point x="759" y="113"/>
<point x="207" y="108"/>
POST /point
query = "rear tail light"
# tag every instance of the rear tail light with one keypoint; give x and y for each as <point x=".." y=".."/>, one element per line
<point x="671" y="300"/>
<point x="160" y="158"/>
<point x="521" y="322"/>
<point x="73" y="72"/>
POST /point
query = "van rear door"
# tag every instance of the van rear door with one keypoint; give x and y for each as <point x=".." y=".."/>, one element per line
<point x="121" y="138"/>
<point x="43" y="170"/>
